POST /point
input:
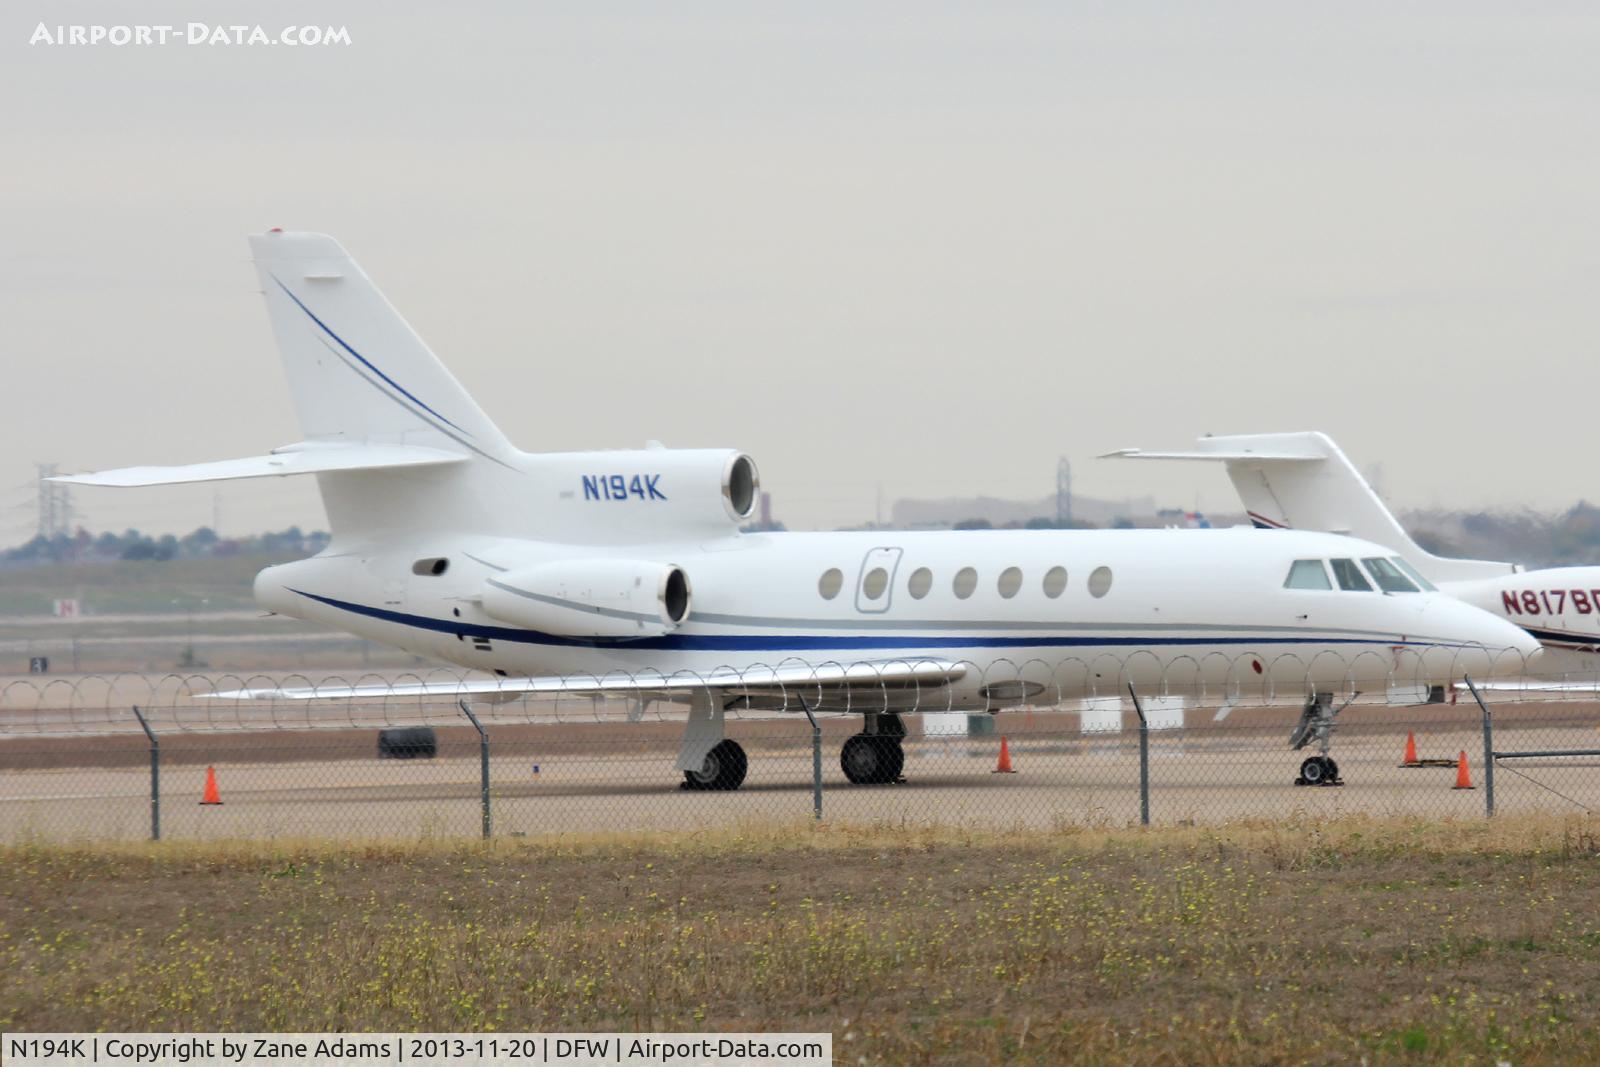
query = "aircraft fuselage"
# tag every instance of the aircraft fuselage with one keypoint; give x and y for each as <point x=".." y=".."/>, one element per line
<point x="1156" y="607"/>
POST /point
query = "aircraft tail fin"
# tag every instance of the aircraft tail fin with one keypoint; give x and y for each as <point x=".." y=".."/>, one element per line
<point x="396" y="444"/>
<point x="357" y="371"/>
<point x="1303" y="480"/>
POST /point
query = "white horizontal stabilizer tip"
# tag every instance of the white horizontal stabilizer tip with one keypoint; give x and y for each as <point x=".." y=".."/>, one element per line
<point x="309" y="458"/>
<point x="798" y="680"/>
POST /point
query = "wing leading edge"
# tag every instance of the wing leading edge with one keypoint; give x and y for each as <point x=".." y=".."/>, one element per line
<point x="751" y="681"/>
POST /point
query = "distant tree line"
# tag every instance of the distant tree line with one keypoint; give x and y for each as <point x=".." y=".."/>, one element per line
<point x="1037" y="523"/>
<point x="85" y="547"/>
<point x="1572" y="537"/>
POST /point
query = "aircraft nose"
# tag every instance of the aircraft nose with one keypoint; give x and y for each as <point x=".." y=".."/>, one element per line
<point x="1494" y="646"/>
<point x="1526" y="644"/>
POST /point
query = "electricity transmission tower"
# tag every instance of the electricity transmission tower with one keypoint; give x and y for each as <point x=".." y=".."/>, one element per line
<point x="55" y="505"/>
<point x="1063" y="493"/>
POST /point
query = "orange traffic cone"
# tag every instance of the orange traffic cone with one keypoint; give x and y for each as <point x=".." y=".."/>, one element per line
<point x="1004" y="766"/>
<point x="1410" y="758"/>
<point x="211" y="795"/>
<point x="1463" y="778"/>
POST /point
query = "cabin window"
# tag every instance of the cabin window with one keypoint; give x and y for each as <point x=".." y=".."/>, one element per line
<point x="873" y="585"/>
<point x="966" y="580"/>
<point x="830" y="583"/>
<point x="1411" y="572"/>
<point x="431" y="567"/>
<point x="1055" y="582"/>
<point x="1349" y="576"/>
<point x="1388" y="576"/>
<point x="1010" y="581"/>
<point x="1100" y="581"/>
<point x="1307" y="574"/>
<point x="920" y="582"/>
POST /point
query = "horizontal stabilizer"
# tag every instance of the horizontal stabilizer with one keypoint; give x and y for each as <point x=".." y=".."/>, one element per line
<point x="764" y="681"/>
<point x="1235" y="455"/>
<point x="309" y="458"/>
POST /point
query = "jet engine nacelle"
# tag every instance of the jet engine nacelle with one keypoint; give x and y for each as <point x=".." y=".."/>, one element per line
<point x="644" y="494"/>
<point x="591" y="597"/>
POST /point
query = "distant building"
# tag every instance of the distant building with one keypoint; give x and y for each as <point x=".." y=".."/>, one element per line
<point x="1188" y="520"/>
<point x="764" y="521"/>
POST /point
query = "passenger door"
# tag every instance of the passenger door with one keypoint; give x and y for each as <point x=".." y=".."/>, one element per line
<point x="875" y="584"/>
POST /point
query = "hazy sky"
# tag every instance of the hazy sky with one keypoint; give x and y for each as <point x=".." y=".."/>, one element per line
<point x="932" y="246"/>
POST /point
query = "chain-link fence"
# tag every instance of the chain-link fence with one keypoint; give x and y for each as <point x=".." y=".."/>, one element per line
<point x="137" y="757"/>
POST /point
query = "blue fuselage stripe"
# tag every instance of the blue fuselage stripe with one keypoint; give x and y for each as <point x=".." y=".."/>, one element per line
<point x="679" y="642"/>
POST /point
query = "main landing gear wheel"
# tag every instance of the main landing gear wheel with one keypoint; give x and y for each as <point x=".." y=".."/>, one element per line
<point x="872" y="759"/>
<point x="723" y="769"/>
<point x="1319" y="770"/>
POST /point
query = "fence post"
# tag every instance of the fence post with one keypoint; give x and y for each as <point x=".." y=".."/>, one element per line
<point x="155" y="775"/>
<point x="816" y="761"/>
<point x="1488" y="748"/>
<point x="483" y="765"/>
<point x="1144" y="759"/>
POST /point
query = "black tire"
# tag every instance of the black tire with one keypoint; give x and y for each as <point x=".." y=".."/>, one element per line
<point x="1313" y="770"/>
<point x="1333" y="768"/>
<point x="872" y="759"/>
<point x="723" y="770"/>
<point x="897" y="759"/>
<point x="410" y="742"/>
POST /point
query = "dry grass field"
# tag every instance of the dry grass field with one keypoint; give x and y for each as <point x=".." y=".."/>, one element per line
<point x="1352" y="941"/>
<point x="115" y="586"/>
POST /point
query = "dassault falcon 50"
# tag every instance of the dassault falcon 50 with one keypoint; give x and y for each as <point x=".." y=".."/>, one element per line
<point x="626" y="573"/>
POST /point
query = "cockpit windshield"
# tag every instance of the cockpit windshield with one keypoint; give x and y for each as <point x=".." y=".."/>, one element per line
<point x="1412" y="573"/>
<point x="1388" y="576"/>
<point x="1391" y="574"/>
<point x="1349" y="576"/>
<point x="1307" y="574"/>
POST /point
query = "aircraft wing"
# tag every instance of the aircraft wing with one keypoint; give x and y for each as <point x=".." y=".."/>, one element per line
<point x="768" y="681"/>
<point x="309" y="458"/>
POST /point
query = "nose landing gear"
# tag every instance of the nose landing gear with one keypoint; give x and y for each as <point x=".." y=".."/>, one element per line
<point x="1319" y="770"/>
<point x="1316" y="725"/>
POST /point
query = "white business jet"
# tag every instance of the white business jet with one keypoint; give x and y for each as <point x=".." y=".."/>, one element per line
<point x="1304" y="481"/>
<point x="625" y="573"/>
